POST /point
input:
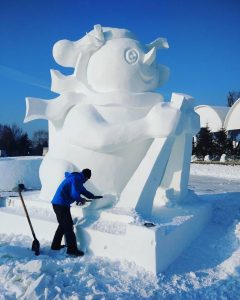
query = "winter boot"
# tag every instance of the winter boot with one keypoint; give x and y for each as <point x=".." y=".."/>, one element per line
<point x="75" y="252"/>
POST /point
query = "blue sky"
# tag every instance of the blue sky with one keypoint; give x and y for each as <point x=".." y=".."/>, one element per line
<point x="204" y="39"/>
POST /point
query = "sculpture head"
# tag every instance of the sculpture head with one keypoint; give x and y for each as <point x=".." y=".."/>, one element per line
<point x="112" y="59"/>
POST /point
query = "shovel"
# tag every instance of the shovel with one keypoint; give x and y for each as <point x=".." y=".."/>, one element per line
<point x="35" y="244"/>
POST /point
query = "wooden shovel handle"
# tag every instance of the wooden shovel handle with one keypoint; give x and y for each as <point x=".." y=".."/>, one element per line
<point x="26" y="213"/>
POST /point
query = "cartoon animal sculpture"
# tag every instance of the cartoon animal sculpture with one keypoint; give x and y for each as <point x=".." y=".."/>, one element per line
<point x="106" y="117"/>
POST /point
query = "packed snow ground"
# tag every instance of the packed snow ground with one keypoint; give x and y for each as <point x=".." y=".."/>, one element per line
<point x="208" y="269"/>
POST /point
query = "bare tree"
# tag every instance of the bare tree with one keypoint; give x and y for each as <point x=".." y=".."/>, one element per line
<point x="232" y="97"/>
<point x="14" y="141"/>
<point x="39" y="140"/>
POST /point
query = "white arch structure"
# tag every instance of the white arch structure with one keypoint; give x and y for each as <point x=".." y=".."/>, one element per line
<point x="232" y="120"/>
<point x="212" y="116"/>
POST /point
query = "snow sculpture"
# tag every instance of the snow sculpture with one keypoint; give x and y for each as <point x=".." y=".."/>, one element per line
<point x="107" y="118"/>
<point x="223" y="158"/>
<point x="207" y="157"/>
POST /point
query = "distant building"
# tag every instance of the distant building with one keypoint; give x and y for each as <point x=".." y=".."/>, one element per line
<point x="212" y="117"/>
<point x="217" y="117"/>
<point x="232" y="121"/>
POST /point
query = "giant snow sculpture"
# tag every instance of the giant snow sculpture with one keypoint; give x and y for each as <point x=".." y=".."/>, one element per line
<point x="109" y="119"/>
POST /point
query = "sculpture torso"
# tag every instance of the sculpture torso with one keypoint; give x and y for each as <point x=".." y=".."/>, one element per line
<point x="117" y="162"/>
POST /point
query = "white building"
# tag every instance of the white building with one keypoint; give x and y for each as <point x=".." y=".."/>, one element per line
<point x="232" y="120"/>
<point x="212" y="117"/>
<point x="217" y="117"/>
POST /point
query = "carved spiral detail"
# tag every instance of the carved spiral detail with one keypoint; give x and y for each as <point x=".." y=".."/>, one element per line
<point x="131" y="56"/>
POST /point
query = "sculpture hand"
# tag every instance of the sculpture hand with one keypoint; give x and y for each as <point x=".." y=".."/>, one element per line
<point x="162" y="120"/>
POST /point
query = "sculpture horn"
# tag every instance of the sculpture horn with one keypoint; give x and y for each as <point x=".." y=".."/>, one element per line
<point x="149" y="58"/>
<point x="159" y="43"/>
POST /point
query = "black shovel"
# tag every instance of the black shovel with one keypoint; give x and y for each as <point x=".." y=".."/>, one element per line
<point x="35" y="244"/>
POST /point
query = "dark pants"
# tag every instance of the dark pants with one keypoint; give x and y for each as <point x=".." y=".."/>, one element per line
<point x="65" y="227"/>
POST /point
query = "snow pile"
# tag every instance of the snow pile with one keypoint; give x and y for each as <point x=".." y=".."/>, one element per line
<point x="210" y="268"/>
<point x="53" y="275"/>
<point x="15" y="170"/>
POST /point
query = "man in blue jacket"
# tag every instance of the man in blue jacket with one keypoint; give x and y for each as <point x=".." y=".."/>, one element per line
<point x="69" y="191"/>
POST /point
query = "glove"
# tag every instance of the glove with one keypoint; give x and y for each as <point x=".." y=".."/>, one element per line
<point x="97" y="197"/>
<point x="82" y="201"/>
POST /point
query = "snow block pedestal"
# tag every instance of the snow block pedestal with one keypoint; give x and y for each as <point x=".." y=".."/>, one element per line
<point x="116" y="233"/>
<point x="22" y="169"/>
<point x="13" y="219"/>
<point x="119" y="235"/>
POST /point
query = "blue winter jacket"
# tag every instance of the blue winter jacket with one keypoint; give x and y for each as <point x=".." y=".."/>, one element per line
<point x="70" y="189"/>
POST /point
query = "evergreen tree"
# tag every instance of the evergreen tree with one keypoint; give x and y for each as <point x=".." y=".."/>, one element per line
<point x="24" y="145"/>
<point x="223" y="145"/>
<point x="194" y="144"/>
<point x="237" y="150"/>
<point x="205" y="144"/>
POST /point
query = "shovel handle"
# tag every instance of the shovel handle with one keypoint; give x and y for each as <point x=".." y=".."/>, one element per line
<point x="26" y="213"/>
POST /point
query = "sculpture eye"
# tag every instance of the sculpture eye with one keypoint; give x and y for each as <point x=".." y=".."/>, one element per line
<point x="131" y="56"/>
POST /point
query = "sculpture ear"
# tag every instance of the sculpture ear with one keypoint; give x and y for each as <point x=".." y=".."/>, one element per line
<point x="98" y="32"/>
<point x="96" y="37"/>
<point x="65" y="53"/>
<point x="159" y="43"/>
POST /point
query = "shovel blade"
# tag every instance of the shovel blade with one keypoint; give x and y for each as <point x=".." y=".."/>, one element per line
<point x="36" y="247"/>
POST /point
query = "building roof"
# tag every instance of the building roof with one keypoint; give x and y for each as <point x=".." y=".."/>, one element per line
<point x="232" y="120"/>
<point x="212" y="116"/>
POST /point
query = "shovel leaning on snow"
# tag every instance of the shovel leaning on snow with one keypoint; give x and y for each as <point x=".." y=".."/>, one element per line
<point x="35" y="244"/>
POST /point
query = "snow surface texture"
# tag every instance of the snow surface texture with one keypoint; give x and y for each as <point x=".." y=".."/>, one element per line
<point x="109" y="119"/>
<point x="208" y="269"/>
<point x="223" y="171"/>
<point x="15" y="170"/>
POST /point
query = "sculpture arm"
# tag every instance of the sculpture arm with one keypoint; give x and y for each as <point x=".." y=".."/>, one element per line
<point x="84" y="126"/>
<point x="51" y="110"/>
